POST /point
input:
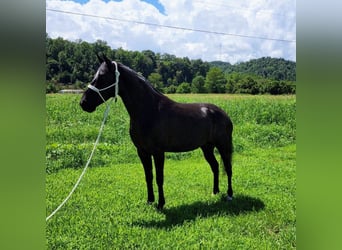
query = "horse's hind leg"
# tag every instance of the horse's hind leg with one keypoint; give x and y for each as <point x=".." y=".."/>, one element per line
<point x="208" y="152"/>
<point x="226" y="150"/>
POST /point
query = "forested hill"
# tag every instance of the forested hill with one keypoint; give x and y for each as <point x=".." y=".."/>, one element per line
<point x="73" y="65"/>
<point x="267" y="67"/>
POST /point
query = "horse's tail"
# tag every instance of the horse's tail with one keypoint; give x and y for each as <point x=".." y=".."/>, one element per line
<point x="227" y="148"/>
<point x="230" y="147"/>
<point x="227" y="159"/>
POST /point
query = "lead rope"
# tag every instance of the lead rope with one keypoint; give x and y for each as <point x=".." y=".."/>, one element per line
<point x="87" y="164"/>
<point x="116" y="84"/>
<point x="117" y="74"/>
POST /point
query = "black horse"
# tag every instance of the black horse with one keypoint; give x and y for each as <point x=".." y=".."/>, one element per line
<point x="159" y="125"/>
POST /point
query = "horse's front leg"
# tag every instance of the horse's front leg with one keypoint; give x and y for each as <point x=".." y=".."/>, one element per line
<point x="159" y="165"/>
<point x="146" y="160"/>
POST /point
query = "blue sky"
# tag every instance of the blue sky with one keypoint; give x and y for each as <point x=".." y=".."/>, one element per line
<point x="155" y="3"/>
<point x="232" y="31"/>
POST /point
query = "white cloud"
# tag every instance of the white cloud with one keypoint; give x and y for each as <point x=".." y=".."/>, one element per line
<point x="260" y="18"/>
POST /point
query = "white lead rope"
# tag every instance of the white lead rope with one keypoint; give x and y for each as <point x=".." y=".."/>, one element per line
<point x="116" y="85"/>
<point x="86" y="166"/>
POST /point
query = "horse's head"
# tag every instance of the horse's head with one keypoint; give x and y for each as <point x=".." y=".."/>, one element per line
<point x="102" y="87"/>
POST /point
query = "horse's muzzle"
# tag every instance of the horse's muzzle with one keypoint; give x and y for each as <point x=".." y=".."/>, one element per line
<point x="87" y="107"/>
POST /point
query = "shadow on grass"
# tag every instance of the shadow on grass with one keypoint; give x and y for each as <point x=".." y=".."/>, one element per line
<point x="174" y="216"/>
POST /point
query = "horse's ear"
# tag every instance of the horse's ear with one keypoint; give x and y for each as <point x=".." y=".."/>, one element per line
<point x="108" y="62"/>
<point x="100" y="58"/>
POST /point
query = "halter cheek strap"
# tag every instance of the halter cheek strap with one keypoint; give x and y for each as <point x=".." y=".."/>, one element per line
<point x="115" y="84"/>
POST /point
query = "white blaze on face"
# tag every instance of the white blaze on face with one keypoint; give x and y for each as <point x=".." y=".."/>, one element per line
<point x="97" y="74"/>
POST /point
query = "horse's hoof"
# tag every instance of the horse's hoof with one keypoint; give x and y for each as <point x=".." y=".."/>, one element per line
<point x="229" y="198"/>
<point x="160" y="206"/>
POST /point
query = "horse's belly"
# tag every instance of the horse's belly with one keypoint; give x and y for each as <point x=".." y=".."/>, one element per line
<point x="180" y="148"/>
<point x="182" y="141"/>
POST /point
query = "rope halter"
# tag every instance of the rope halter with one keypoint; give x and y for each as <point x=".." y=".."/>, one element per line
<point x="115" y="84"/>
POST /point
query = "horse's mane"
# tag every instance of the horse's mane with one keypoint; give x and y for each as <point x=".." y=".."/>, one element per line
<point x="142" y="79"/>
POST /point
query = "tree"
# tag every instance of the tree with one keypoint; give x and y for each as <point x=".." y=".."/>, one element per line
<point x="197" y="85"/>
<point x="156" y="80"/>
<point x="75" y="63"/>
<point x="170" y="89"/>
<point x="215" y="81"/>
<point x="183" y="88"/>
<point x="247" y="86"/>
<point x="52" y="68"/>
<point x="124" y="57"/>
<point x="266" y="67"/>
<point x="199" y="67"/>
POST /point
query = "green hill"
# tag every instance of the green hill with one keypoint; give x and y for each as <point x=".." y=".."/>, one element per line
<point x="266" y="67"/>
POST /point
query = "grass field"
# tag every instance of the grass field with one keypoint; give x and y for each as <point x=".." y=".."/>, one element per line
<point x="109" y="210"/>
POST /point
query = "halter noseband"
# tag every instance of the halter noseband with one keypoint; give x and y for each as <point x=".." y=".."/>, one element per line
<point x="116" y="84"/>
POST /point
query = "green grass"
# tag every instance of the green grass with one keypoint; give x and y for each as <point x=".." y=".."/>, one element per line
<point x="109" y="210"/>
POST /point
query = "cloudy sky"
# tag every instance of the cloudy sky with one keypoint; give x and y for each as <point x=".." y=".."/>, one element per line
<point x="226" y="30"/>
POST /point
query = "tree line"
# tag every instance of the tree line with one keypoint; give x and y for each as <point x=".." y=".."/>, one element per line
<point x="72" y="64"/>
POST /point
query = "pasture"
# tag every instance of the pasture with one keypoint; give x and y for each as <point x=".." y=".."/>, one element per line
<point x="109" y="210"/>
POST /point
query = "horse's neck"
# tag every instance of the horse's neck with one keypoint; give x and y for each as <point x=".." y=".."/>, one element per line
<point x="138" y="98"/>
